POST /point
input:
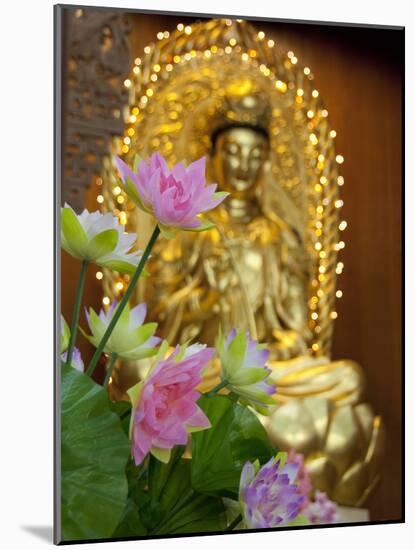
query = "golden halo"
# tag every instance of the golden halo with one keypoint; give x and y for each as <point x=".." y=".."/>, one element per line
<point x="179" y="91"/>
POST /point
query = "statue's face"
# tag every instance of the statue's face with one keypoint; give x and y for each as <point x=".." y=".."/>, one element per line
<point x="238" y="158"/>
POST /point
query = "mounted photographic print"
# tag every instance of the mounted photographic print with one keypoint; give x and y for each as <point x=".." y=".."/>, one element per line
<point x="228" y="274"/>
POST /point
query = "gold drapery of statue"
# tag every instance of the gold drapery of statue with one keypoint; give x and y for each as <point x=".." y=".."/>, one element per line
<point x="222" y="90"/>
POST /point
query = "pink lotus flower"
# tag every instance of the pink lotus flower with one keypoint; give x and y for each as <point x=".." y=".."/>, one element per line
<point x="164" y="404"/>
<point x="174" y="197"/>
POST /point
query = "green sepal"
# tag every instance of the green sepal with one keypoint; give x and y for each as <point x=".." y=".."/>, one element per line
<point x="74" y="238"/>
<point x="234" y="355"/>
<point x="65" y="335"/>
<point x="137" y="354"/>
<point x="247" y="376"/>
<point x="137" y="159"/>
<point x="134" y="393"/>
<point x="122" y="267"/>
<point x="167" y="231"/>
<point x="102" y="244"/>
<point x="301" y="519"/>
<point x="205" y="225"/>
<point x="161" y="454"/>
<point x="220" y="194"/>
<point x="132" y="192"/>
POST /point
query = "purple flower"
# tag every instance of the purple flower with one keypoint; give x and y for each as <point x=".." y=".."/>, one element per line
<point x="244" y="369"/>
<point x="77" y="362"/>
<point x="174" y="197"/>
<point x="270" y="497"/>
<point x="322" y="510"/>
<point x="303" y="477"/>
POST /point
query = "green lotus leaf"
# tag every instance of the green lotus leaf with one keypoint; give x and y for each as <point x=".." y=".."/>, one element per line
<point x="219" y="454"/>
<point x="94" y="454"/>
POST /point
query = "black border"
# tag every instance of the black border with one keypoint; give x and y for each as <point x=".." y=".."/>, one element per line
<point x="58" y="10"/>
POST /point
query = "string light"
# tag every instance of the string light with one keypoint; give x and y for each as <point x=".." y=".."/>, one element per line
<point x="314" y="93"/>
<point x="313" y="138"/>
<point x="339" y="294"/>
<point x="340" y="180"/>
<point x="127" y="82"/>
<point x="271" y="43"/>
<point x="106" y="301"/>
<point x="343" y="225"/>
<point x="281" y="86"/>
<point x="99" y="275"/>
<point x="307" y="70"/>
<point x="100" y="199"/>
<point x="339" y="268"/>
<point x="339" y="159"/>
<point x="333" y="133"/>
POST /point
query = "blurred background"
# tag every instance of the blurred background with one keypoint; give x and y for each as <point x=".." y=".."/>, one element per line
<point x="359" y="73"/>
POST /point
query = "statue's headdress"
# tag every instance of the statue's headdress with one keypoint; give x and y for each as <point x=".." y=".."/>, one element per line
<point x="243" y="106"/>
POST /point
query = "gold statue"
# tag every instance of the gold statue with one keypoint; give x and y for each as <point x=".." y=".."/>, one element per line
<point x="252" y="271"/>
<point x="222" y="90"/>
